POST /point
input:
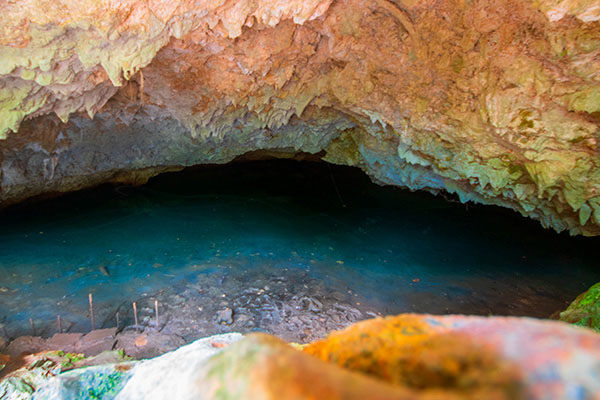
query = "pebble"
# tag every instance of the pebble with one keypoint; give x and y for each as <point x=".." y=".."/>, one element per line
<point x="225" y="316"/>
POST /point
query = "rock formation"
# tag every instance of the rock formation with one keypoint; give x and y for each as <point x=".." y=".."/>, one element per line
<point x="497" y="101"/>
<point x="585" y="309"/>
<point x="417" y="357"/>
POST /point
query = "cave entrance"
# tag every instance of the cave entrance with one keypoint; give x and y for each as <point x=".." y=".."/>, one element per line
<point x="292" y="248"/>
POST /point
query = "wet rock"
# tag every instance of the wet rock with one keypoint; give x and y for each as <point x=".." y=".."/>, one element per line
<point x="225" y="316"/>
<point x="63" y="341"/>
<point x="585" y="309"/>
<point x="147" y="345"/>
<point x="311" y="304"/>
<point x="25" y="344"/>
<point x="96" y="341"/>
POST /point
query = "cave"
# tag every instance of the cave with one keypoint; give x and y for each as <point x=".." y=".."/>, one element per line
<point x="258" y="199"/>
<point x="293" y="248"/>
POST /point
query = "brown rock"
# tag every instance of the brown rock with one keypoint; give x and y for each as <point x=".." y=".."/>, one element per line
<point x="26" y="344"/>
<point x="147" y="345"/>
<point x="96" y="341"/>
<point x="66" y="342"/>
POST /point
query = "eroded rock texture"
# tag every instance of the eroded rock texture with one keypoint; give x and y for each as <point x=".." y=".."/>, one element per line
<point x="495" y="100"/>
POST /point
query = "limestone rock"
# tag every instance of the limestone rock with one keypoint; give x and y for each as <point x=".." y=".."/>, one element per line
<point x="471" y="356"/>
<point x="405" y="357"/>
<point x="496" y="101"/>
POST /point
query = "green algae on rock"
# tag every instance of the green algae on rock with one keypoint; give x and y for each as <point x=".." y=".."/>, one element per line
<point x="585" y="309"/>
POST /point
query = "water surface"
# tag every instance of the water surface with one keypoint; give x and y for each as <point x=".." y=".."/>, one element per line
<point x="227" y="236"/>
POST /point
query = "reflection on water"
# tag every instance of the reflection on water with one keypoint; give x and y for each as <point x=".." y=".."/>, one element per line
<point x="209" y="237"/>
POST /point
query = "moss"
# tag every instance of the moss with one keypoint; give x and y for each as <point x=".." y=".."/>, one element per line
<point x="526" y="123"/>
<point x="515" y="169"/>
<point x="587" y="100"/>
<point x="576" y="140"/>
<point x="585" y="309"/>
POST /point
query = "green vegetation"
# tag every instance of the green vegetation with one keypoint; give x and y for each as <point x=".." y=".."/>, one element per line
<point x="72" y="358"/>
<point x="585" y="310"/>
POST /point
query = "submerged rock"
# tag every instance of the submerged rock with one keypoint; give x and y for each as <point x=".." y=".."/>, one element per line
<point x="225" y="316"/>
<point x="585" y="309"/>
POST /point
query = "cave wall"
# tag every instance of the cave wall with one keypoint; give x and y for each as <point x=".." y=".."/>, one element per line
<point x="496" y="101"/>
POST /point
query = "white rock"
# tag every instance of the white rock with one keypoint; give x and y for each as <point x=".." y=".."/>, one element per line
<point x="167" y="376"/>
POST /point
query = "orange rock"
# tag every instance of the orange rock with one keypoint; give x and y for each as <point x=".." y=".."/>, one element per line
<point x="141" y="341"/>
<point x="408" y="352"/>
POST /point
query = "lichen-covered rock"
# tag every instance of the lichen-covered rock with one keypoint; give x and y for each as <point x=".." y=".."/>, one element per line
<point x="471" y="356"/>
<point x="496" y="101"/>
<point x="585" y="309"/>
<point x="417" y="357"/>
<point x="409" y="352"/>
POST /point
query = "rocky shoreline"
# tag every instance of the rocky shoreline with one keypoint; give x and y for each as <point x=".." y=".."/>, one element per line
<point x="410" y="356"/>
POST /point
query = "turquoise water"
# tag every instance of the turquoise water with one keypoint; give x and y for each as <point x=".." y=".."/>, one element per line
<point x="205" y="237"/>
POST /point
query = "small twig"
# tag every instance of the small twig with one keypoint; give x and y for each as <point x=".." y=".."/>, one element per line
<point x="117" y="315"/>
<point x="135" y="318"/>
<point x="92" y="311"/>
<point x="111" y="315"/>
<point x="32" y="327"/>
<point x="59" y="319"/>
<point x="335" y="186"/>
<point x="5" y="332"/>
<point x="156" y="312"/>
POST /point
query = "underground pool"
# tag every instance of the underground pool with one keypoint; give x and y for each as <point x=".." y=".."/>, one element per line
<point x="292" y="248"/>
